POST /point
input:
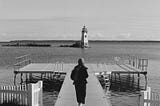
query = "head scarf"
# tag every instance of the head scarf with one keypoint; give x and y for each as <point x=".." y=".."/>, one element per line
<point x="81" y="61"/>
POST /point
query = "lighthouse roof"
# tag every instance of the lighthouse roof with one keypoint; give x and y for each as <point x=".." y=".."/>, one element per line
<point x="84" y="29"/>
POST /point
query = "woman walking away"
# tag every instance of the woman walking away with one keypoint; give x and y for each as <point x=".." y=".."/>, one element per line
<point x="79" y="75"/>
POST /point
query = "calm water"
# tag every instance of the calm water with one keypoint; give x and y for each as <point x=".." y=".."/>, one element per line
<point x="99" y="52"/>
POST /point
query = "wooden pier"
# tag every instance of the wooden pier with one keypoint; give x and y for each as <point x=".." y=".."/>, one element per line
<point x="95" y="94"/>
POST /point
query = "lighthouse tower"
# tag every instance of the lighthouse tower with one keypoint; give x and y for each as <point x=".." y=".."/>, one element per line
<point x="84" y="39"/>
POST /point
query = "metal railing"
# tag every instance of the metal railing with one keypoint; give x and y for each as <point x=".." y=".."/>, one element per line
<point x="22" y="61"/>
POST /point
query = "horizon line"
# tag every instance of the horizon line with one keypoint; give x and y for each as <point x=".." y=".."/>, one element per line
<point x="79" y="40"/>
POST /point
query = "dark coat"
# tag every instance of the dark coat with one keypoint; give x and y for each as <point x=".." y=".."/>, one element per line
<point x="79" y="74"/>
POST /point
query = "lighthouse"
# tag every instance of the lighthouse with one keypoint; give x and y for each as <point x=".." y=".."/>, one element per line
<point x="84" y="39"/>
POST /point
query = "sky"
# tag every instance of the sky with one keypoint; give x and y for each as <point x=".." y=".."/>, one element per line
<point x="64" y="19"/>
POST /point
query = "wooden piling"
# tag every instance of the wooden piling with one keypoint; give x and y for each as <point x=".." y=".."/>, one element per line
<point x="21" y="78"/>
<point x="119" y="80"/>
<point x="145" y="81"/>
<point x="132" y="80"/>
<point x="138" y="85"/>
<point x="26" y="78"/>
<point x="30" y="77"/>
<point x="15" y="78"/>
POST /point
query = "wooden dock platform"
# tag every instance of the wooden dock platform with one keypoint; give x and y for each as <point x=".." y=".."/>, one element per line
<point x="51" y="69"/>
<point x="60" y="67"/>
<point x="95" y="95"/>
<point x="41" y="68"/>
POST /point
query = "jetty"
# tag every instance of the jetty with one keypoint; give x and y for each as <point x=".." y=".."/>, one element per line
<point x="94" y="95"/>
<point x="111" y="73"/>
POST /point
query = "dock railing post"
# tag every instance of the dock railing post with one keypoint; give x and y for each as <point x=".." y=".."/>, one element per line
<point x="136" y="62"/>
<point x="143" y="64"/>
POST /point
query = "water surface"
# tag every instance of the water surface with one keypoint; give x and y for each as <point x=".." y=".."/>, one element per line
<point x="99" y="52"/>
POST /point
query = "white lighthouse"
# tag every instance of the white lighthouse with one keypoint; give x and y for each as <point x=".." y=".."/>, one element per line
<point x="84" y="39"/>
